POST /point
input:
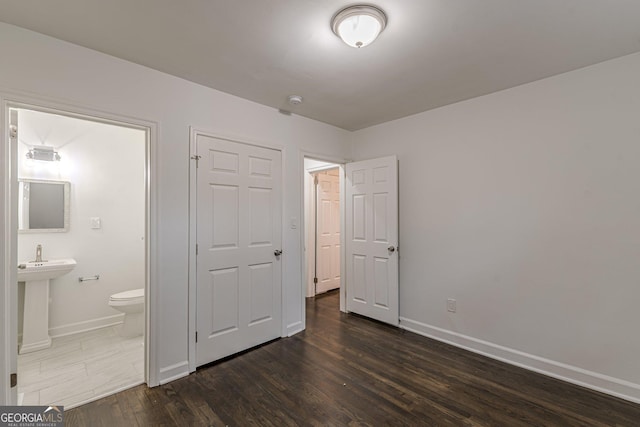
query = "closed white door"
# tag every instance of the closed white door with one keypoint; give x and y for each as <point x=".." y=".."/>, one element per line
<point x="238" y="236"/>
<point x="328" y="236"/>
<point x="372" y="238"/>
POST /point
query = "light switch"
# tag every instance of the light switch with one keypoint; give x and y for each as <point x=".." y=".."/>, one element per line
<point x="96" y="223"/>
<point x="294" y="222"/>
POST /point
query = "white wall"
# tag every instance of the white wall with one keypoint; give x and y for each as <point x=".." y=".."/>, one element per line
<point x="313" y="164"/>
<point x="524" y="206"/>
<point x="61" y="72"/>
<point x="105" y="166"/>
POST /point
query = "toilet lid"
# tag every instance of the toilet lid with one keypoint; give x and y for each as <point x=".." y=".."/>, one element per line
<point x="136" y="293"/>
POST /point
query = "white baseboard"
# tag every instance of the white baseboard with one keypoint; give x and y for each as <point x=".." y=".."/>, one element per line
<point x="174" y="372"/>
<point x="100" y="396"/>
<point x="294" y="328"/>
<point x="34" y="346"/>
<point x="85" y="326"/>
<point x="572" y="374"/>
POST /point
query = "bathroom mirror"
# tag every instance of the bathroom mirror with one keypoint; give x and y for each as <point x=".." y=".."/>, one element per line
<point x="43" y="206"/>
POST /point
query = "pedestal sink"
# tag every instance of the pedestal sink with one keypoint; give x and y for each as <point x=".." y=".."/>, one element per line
<point x="36" y="276"/>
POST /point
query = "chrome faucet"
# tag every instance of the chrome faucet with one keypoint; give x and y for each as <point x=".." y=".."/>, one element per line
<point x="39" y="253"/>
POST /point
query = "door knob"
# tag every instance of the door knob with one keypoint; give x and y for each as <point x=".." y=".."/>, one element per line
<point x="277" y="252"/>
<point x="391" y="249"/>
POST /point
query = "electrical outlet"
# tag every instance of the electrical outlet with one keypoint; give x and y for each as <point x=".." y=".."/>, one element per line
<point x="451" y="305"/>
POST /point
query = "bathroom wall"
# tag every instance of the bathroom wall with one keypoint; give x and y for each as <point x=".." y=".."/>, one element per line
<point x="105" y="166"/>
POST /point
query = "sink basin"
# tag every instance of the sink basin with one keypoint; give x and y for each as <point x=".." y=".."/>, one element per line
<point x="45" y="270"/>
<point x="36" y="277"/>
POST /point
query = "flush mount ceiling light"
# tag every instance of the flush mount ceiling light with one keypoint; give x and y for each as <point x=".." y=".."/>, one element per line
<point x="47" y="154"/>
<point x="359" y="25"/>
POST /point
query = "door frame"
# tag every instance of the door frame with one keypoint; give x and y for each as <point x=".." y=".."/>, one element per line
<point x="194" y="132"/>
<point x="340" y="162"/>
<point x="8" y="254"/>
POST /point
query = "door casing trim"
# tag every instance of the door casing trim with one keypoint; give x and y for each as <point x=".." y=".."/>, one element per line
<point x="20" y="100"/>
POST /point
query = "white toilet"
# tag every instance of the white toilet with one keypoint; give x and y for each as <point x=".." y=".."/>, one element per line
<point x="131" y="303"/>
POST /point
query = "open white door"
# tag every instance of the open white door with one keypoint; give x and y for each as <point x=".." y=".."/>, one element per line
<point x="238" y="267"/>
<point x="372" y="238"/>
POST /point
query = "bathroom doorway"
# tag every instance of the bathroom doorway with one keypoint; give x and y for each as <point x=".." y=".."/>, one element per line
<point x="83" y="200"/>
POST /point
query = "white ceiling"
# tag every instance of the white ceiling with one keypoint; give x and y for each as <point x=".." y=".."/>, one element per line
<point x="433" y="52"/>
<point x="38" y="128"/>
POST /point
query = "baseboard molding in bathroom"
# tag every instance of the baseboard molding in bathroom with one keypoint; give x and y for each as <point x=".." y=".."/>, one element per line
<point x="103" y="395"/>
<point x="85" y="326"/>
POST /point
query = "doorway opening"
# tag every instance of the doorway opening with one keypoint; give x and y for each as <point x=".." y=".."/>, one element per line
<point x="368" y="236"/>
<point x="322" y="226"/>
<point x="81" y="333"/>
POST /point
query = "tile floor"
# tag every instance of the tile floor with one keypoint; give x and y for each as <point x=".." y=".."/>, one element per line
<point x="79" y="368"/>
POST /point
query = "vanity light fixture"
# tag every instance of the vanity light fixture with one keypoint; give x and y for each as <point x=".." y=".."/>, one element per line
<point x="42" y="152"/>
<point x="359" y="25"/>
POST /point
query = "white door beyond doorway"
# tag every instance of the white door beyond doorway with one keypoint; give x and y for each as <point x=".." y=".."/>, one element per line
<point x="327" y="230"/>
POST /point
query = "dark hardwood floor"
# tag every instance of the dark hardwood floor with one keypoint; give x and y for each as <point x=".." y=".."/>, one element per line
<point x="347" y="370"/>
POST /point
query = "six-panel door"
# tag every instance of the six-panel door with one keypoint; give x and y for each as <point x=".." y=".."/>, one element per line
<point x="238" y="232"/>
<point x="328" y="238"/>
<point x="372" y="238"/>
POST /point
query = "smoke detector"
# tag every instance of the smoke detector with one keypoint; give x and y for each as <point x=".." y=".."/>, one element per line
<point x="295" y="99"/>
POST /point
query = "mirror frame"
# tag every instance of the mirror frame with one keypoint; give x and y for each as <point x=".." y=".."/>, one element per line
<point x="66" y="201"/>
